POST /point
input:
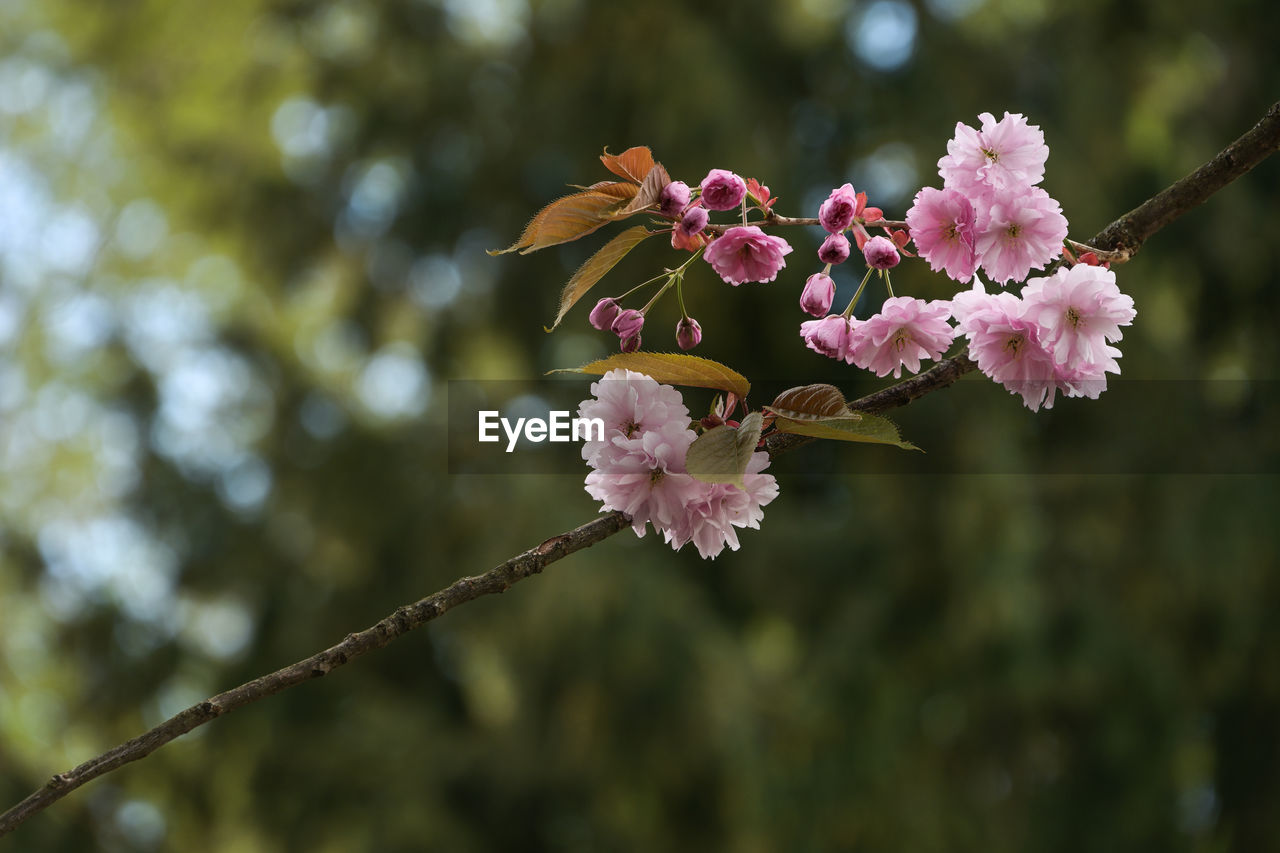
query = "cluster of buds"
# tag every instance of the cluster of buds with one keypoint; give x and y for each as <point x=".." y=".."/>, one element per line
<point x="846" y="210"/>
<point x="741" y="254"/>
<point x="625" y="323"/>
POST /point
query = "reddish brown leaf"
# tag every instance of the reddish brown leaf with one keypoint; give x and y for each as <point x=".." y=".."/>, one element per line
<point x="566" y="219"/>
<point x="810" y="402"/>
<point x="632" y="164"/>
<point x="596" y="266"/>
<point x="650" y="189"/>
<point x="617" y="189"/>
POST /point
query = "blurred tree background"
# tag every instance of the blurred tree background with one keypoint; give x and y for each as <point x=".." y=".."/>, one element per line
<point x="242" y="258"/>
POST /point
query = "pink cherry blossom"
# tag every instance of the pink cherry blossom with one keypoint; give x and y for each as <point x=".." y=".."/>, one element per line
<point x="942" y="224"/>
<point x="709" y="520"/>
<point x="1006" y="346"/>
<point x="903" y="332"/>
<point x="1078" y="310"/>
<point x="829" y="336"/>
<point x="1023" y="231"/>
<point x="723" y="190"/>
<point x="972" y="308"/>
<point x="630" y="404"/>
<point x="649" y="483"/>
<point x="745" y="253"/>
<point x="1003" y="155"/>
<point x="640" y="468"/>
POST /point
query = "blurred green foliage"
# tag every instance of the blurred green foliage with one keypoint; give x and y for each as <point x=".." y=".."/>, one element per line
<point x="242" y="254"/>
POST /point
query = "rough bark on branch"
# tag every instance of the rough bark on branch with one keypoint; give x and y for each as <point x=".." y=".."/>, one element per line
<point x="1126" y="235"/>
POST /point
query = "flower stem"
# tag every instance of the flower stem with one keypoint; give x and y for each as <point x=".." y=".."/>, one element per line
<point x="848" y="312"/>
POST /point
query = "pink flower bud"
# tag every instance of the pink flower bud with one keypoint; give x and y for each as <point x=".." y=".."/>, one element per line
<point x="631" y="344"/>
<point x="723" y="190"/>
<point x="688" y="333"/>
<point x="838" y="211"/>
<point x="605" y="312"/>
<point x="834" y="249"/>
<point x="628" y="323"/>
<point x="673" y="199"/>
<point x="818" y="293"/>
<point x="694" y="220"/>
<point x="880" y="253"/>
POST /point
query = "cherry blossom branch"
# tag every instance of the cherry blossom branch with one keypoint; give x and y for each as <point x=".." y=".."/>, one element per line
<point x="1124" y="236"/>
<point x="400" y="622"/>
<point x="1129" y="232"/>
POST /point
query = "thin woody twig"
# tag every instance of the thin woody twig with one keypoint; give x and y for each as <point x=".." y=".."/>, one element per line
<point x="1125" y="235"/>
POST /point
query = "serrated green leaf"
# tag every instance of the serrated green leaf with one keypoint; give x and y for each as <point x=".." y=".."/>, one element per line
<point x="671" y="368"/>
<point x="596" y="266"/>
<point x="871" y="429"/>
<point x="721" y="454"/>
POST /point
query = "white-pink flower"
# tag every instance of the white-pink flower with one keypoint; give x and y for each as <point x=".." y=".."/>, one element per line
<point x="745" y="253"/>
<point x="640" y="468"/>
<point x="1078" y="310"/>
<point x="1006" y="346"/>
<point x="1021" y="231"/>
<point x="630" y="404"/>
<point x="1005" y="154"/>
<point x="942" y="225"/>
<point x="710" y="520"/>
<point x="829" y="336"/>
<point x="648" y="482"/>
<point x="903" y="332"/>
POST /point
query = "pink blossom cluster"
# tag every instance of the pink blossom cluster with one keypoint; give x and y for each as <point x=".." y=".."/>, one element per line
<point x="1054" y="338"/>
<point x="904" y="331"/>
<point x="639" y="467"/>
<point x="741" y="254"/>
<point x="989" y="212"/>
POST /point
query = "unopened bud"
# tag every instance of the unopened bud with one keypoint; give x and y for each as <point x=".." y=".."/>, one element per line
<point x="819" y="291"/>
<point x="694" y="220"/>
<point x="834" y="249"/>
<point x="688" y="333"/>
<point x="880" y="253"/>
<point x="605" y="312"/>
<point x="631" y="344"/>
<point x="673" y="199"/>
<point x="628" y="323"/>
